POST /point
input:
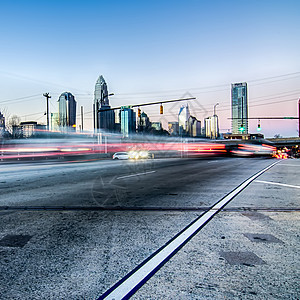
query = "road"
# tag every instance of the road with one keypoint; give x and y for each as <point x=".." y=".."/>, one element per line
<point x="72" y="230"/>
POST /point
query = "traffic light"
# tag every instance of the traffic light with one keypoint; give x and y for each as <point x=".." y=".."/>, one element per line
<point x="242" y="128"/>
<point x="258" y="127"/>
<point x="161" y="109"/>
<point x="139" y="112"/>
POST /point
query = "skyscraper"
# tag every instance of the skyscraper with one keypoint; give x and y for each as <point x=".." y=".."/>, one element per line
<point x="67" y="110"/>
<point x="183" y="117"/>
<point x="239" y="108"/>
<point x="104" y="118"/>
<point x="2" y="124"/>
<point x="128" y="121"/>
<point x="194" y="128"/>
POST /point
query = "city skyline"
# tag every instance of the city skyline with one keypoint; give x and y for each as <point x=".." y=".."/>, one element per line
<point x="211" y="47"/>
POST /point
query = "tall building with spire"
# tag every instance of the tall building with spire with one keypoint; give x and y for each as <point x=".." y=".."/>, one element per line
<point x="239" y="108"/>
<point x="67" y="110"/>
<point x="104" y="118"/>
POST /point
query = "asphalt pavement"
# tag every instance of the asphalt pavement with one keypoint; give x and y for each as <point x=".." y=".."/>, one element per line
<point x="72" y="230"/>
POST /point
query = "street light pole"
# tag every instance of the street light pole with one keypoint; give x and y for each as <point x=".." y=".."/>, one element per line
<point x="215" y="108"/>
<point x="47" y="97"/>
<point x="299" y="117"/>
<point x="215" y="120"/>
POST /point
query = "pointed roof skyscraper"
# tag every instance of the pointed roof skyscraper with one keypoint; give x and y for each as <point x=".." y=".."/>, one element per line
<point x="103" y="117"/>
<point x="101" y="93"/>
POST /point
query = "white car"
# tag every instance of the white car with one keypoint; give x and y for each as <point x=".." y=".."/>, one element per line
<point x="121" y="155"/>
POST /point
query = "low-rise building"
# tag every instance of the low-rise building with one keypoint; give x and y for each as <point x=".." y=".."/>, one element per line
<point x="30" y="129"/>
<point x="156" y="125"/>
<point x="173" y="128"/>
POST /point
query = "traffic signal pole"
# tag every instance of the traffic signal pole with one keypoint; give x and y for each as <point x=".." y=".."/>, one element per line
<point x="151" y="103"/>
<point x="299" y="117"/>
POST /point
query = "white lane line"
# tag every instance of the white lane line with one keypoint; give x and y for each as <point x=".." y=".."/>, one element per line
<point x="277" y="183"/>
<point x="290" y="165"/>
<point x="137" y="174"/>
<point x="127" y="287"/>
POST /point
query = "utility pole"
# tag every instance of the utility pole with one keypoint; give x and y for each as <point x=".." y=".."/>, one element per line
<point x="47" y="97"/>
<point x="81" y="108"/>
<point x="299" y="117"/>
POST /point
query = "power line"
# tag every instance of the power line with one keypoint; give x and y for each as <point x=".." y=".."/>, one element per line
<point x="278" y="76"/>
<point x="18" y="99"/>
<point x="23" y="116"/>
<point x="177" y="90"/>
<point x="217" y="86"/>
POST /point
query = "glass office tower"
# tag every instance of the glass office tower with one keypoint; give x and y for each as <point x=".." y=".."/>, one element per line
<point x="67" y="110"/>
<point x="128" y="121"/>
<point x="239" y="108"/>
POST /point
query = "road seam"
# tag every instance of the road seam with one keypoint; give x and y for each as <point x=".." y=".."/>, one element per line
<point x="134" y="280"/>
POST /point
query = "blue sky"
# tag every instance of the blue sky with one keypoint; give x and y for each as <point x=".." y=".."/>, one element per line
<point x="152" y="50"/>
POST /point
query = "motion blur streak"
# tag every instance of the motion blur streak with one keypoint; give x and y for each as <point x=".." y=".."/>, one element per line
<point x="95" y="146"/>
<point x="253" y="150"/>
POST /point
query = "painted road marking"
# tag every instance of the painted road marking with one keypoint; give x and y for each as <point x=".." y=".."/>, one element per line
<point x="137" y="174"/>
<point x="290" y="165"/>
<point x="127" y="286"/>
<point x="277" y="183"/>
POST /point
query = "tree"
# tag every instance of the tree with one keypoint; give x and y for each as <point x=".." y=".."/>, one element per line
<point x="13" y="123"/>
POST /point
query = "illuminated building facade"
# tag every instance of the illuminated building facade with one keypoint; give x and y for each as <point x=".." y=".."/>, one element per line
<point x="239" y="108"/>
<point x="194" y="127"/>
<point x="128" y="121"/>
<point x="211" y="127"/>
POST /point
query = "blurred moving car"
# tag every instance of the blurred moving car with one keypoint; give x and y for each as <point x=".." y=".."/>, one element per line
<point x="142" y="154"/>
<point x="121" y="155"/>
<point x="248" y="150"/>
